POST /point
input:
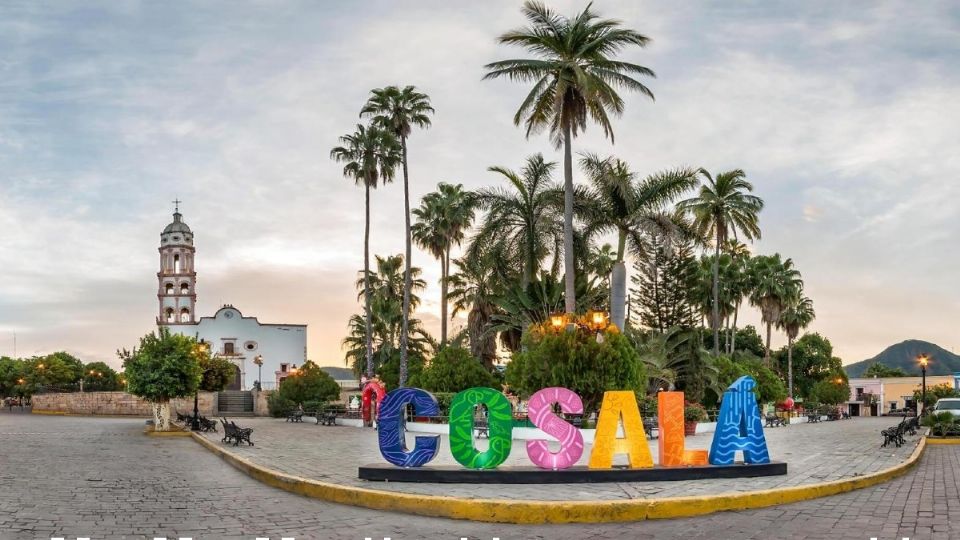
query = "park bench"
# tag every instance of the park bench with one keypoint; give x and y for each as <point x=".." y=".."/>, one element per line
<point x="327" y="418"/>
<point x="235" y="433"/>
<point x="913" y="425"/>
<point x="813" y="417"/>
<point x="207" y="425"/>
<point x="482" y="426"/>
<point x="295" y="416"/>
<point x="773" y="420"/>
<point x="651" y="428"/>
<point x="184" y="418"/>
<point x="894" y="434"/>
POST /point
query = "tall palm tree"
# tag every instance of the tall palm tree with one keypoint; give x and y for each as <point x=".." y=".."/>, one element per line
<point x="523" y="221"/>
<point x="575" y="76"/>
<point x="740" y="283"/>
<point x="370" y="155"/>
<point x="618" y="202"/>
<point x="399" y="110"/>
<point x="442" y="219"/>
<point x="722" y="209"/>
<point x="797" y="316"/>
<point x="773" y="284"/>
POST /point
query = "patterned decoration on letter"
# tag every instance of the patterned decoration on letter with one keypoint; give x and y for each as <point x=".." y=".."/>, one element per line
<point x="393" y="445"/>
<point x="616" y="405"/>
<point x="670" y="419"/>
<point x="540" y="412"/>
<point x="499" y="422"/>
<point x="739" y="426"/>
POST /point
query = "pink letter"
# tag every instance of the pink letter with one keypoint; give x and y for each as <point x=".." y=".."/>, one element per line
<point x="540" y="412"/>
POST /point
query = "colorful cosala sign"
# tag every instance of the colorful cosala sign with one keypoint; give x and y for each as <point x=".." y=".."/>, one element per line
<point x="739" y="427"/>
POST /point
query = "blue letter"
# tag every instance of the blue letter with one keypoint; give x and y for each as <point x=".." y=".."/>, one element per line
<point x="739" y="426"/>
<point x="393" y="445"/>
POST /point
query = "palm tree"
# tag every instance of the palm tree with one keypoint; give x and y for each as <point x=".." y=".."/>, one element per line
<point x="739" y="285"/>
<point x="773" y="284"/>
<point x="722" y="209"/>
<point x="618" y="202"/>
<point x="797" y="316"/>
<point x="575" y="77"/>
<point x="399" y="111"/>
<point x="523" y="221"/>
<point x="442" y="220"/>
<point x="474" y="290"/>
<point x="370" y="155"/>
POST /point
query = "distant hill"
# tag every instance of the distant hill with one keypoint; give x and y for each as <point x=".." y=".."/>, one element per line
<point x="339" y="373"/>
<point x="904" y="356"/>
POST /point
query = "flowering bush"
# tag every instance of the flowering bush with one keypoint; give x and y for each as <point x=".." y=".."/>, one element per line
<point x="694" y="412"/>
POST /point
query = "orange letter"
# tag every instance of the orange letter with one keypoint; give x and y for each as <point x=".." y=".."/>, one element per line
<point x="616" y="406"/>
<point x="670" y="414"/>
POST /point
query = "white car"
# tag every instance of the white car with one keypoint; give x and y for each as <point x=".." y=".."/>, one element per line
<point x="950" y="405"/>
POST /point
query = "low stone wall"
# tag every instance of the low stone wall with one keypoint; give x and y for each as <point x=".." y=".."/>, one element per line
<point x="117" y="403"/>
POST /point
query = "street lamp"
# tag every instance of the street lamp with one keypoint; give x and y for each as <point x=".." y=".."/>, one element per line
<point x="924" y="360"/>
<point x="195" y="424"/>
<point x="557" y="321"/>
<point x="258" y="360"/>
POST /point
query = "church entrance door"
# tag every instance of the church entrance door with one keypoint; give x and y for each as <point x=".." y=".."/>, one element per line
<point x="235" y="383"/>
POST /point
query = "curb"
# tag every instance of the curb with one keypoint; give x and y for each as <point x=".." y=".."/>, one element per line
<point x="941" y="442"/>
<point x="538" y="512"/>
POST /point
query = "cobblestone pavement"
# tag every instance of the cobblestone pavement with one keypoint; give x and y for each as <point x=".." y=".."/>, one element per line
<point x="813" y="452"/>
<point x="102" y="478"/>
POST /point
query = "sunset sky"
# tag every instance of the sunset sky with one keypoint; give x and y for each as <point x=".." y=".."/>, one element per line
<point x="843" y="115"/>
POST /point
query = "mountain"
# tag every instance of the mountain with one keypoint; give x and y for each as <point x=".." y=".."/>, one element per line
<point x="339" y="373"/>
<point x="904" y="356"/>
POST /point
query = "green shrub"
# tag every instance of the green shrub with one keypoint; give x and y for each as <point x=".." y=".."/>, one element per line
<point x="830" y="392"/>
<point x="453" y="370"/>
<point x="941" y="424"/>
<point x="576" y="360"/>
<point x="769" y="386"/>
<point x="694" y="412"/>
<point x="278" y="406"/>
<point x="164" y="367"/>
<point x="310" y="383"/>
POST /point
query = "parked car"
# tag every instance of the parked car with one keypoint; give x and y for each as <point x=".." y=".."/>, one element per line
<point x="951" y="405"/>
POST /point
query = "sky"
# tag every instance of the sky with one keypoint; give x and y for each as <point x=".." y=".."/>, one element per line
<point x="843" y="115"/>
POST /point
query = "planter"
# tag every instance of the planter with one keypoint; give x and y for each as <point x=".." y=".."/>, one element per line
<point x="690" y="428"/>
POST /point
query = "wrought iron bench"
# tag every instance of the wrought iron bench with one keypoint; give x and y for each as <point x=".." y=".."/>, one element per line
<point x="295" y="416"/>
<point x="235" y="433"/>
<point x="773" y="420"/>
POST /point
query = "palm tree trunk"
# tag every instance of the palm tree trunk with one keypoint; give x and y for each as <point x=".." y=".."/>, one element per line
<point x="766" y="354"/>
<point x="368" y="323"/>
<point x="716" y="298"/>
<point x="569" y="283"/>
<point x="790" y="366"/>
<point x="733" y="335"/>
<point x="529" y="256"/>
<point x="407" y="278"/>
<point x="618" y="286"/>
<point x="444" y="270"/>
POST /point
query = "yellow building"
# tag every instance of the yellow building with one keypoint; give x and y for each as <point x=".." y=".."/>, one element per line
<point x="878" y="396"/>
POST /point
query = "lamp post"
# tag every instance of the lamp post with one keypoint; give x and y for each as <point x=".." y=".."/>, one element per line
<point x="258" y="360"/>
<point x="195" y="423"/>
<point x="924" y="360"/>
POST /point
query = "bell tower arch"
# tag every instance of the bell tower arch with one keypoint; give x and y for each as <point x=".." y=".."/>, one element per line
<point x="177" y="280"/>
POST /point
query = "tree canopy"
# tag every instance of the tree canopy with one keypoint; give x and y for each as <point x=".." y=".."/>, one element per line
<point x="164" y="366"/>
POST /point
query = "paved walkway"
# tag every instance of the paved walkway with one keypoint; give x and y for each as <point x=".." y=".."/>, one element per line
<point x="814" y="453"/>
<point x="102" y="478"/>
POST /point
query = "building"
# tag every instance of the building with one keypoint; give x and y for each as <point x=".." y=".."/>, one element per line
<point x="877" y="396"/>
<point x="242" y="340"/>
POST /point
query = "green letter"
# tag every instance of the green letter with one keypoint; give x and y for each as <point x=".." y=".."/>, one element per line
<point x="499" y="422"/>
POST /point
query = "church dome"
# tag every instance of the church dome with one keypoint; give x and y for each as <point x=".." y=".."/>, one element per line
<point x="177" y="226"/>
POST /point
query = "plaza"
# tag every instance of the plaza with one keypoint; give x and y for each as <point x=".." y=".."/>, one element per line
<point x="103" y="478"/>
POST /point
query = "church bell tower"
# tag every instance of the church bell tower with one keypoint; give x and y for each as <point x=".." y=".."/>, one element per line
<point x="177" y="293"/>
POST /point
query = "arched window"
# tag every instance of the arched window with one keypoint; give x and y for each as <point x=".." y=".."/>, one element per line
<point x="184" y="288"/>
<point x="184" y="315"/>
<point x="176" y="263"/>
<point x="170" y="314"/>
<point x="169" y="288"/>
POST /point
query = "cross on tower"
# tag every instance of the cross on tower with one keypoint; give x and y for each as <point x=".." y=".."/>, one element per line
<point x="176" y="205"/>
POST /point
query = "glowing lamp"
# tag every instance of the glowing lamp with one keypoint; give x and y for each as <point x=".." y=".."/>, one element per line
<point x="557" y="321"/>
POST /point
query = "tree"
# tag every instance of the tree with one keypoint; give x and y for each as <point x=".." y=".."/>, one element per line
<point x="162" y="368"/>
<point x="833" y="390"/>
<point x="11" y="371"/>
<point x="774" y="284"/>
<point x="935" y="392"/>
<point x="673" y="359"/>
<point x="309" y="383"/>
<point x="216" y="372"/>
<point x="370" y="155"/>
<point x="618" y="202"/>
<point x="797" y="316"/>
<point x="662" y="284"/>
<point x="578" y="361"/>
<point x="523" y="222"/>
<point x="399" y="111"/>
<point x="453" y="369"/>
<point x="769" y="389"/>
<point x="879" y="370"/>
<point x="575" y="76"/>
<point x="442" y="220"/>
<point x="473" y="291"/>
<point x="813" y="361"/>
<point x="99" y="377"/>
<point x="722" y="209"/>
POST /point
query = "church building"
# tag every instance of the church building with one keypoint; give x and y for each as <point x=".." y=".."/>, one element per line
<point x="244" y="341"/>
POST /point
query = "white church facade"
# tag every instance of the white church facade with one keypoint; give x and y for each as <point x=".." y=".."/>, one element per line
<point x="242" y="340"/>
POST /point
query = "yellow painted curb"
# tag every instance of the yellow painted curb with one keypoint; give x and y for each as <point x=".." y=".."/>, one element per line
<point x="534" y="512"/>
<point x="172" y="433"/>
<point x="944" y="442"/>
<point x="49" y="413"/>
